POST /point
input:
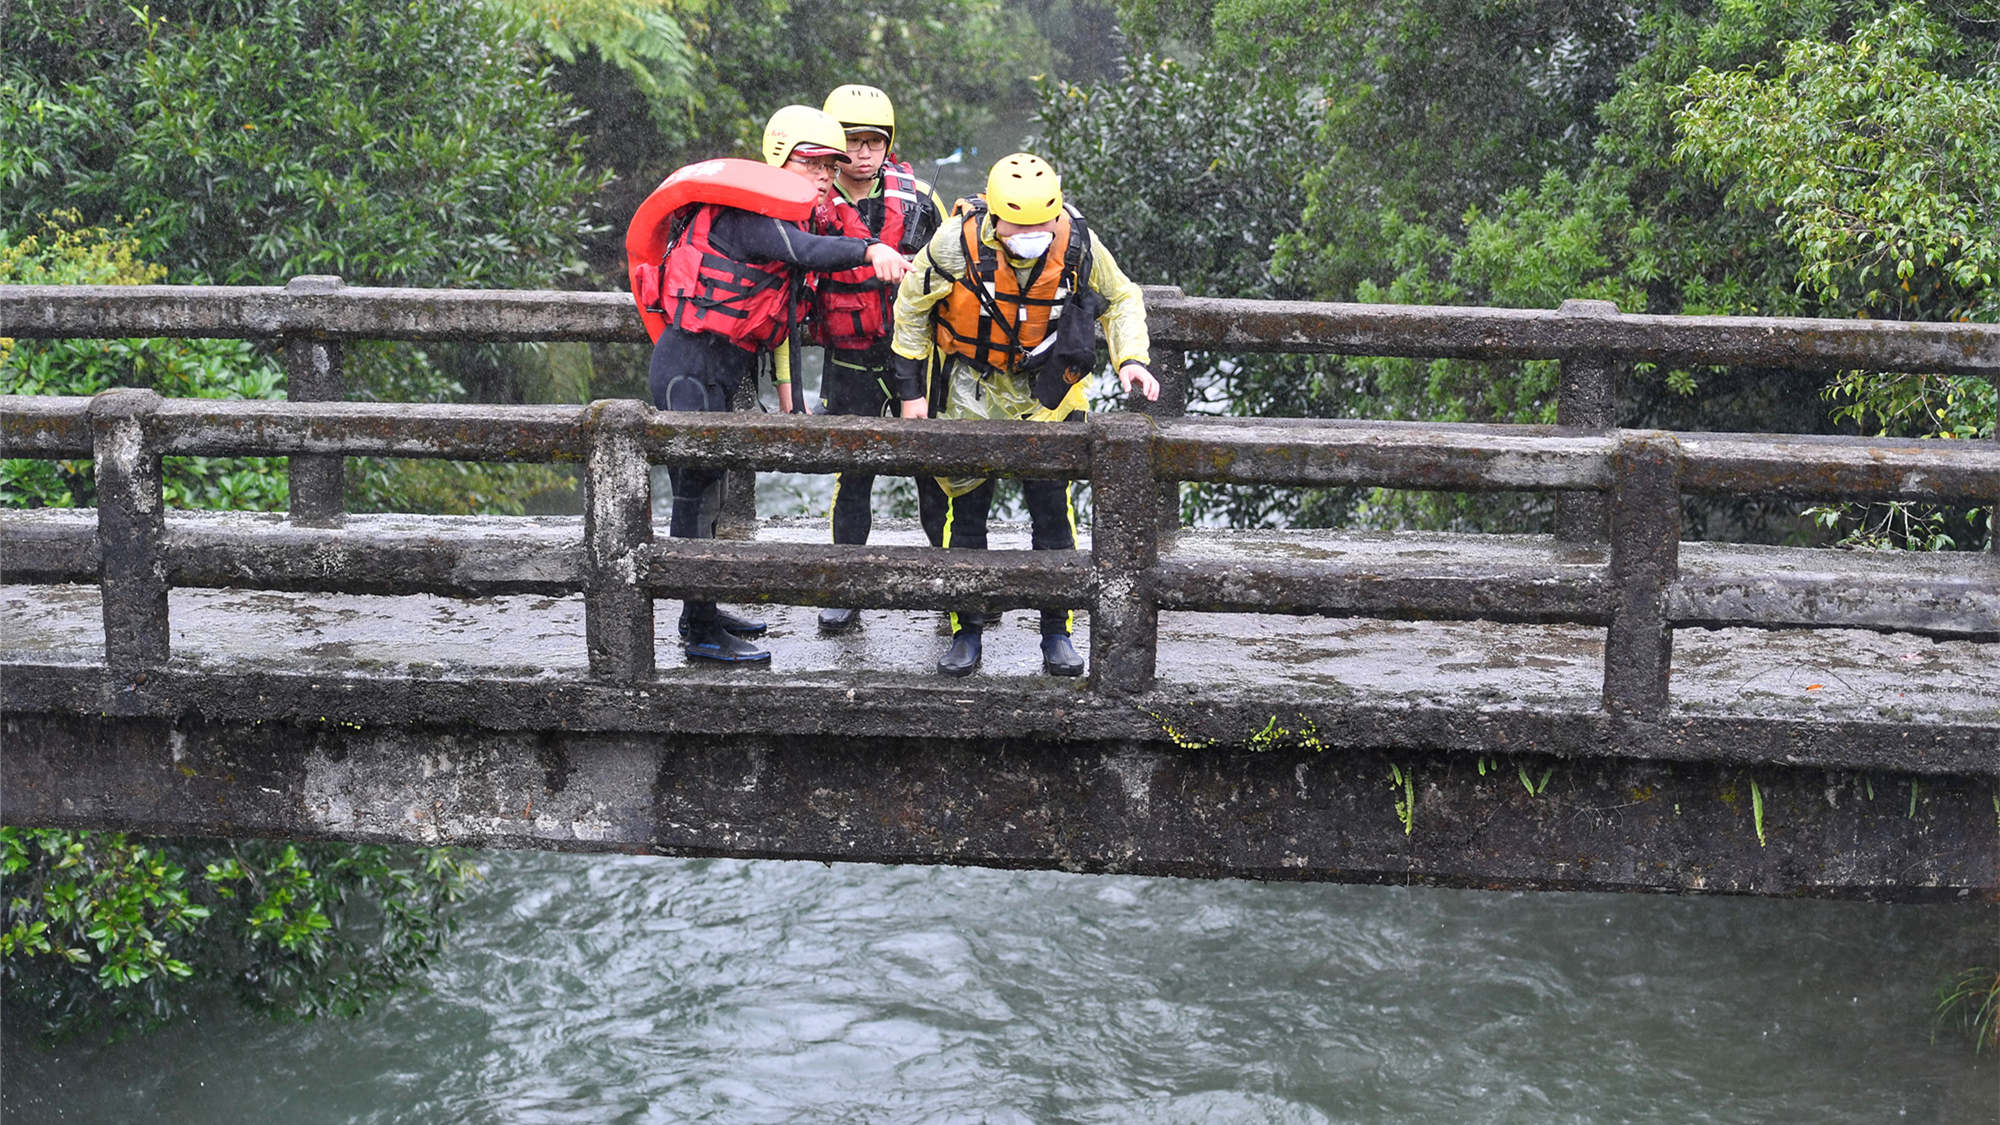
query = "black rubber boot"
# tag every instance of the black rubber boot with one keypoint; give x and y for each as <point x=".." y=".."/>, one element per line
<point x="963" y="655"/>
<point x="1059" y="657"/>
<point x="839" y="620"/>
<point x="730" y="623"/>
<point x="724" y="647"/>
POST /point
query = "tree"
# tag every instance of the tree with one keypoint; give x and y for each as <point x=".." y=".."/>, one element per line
<point x="62" y="252"/>
<point x="1879" y="158"/>
<point x="107" y="933"/>
<point x="248" y="141"/>
<point x="1558" y="173"/>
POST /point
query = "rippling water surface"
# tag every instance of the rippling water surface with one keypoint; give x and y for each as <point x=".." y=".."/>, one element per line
<point x="611" y="988"/>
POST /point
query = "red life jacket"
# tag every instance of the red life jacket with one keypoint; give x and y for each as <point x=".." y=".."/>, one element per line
<point x="657" y="230"/>
<point x="705" y="291"/>
<point x="851" y="309"/>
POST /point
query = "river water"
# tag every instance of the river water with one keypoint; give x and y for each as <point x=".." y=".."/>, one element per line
<point x="638" y="989"/>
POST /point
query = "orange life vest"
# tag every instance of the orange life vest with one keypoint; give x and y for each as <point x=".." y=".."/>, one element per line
<point x="990" y="317"/>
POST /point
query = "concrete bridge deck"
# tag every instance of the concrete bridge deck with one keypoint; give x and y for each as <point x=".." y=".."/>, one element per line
<point x="1826" y="676"/>
<point x="1842" y="762"/>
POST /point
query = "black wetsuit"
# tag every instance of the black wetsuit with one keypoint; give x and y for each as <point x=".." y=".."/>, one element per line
<point x="701" y="370"/>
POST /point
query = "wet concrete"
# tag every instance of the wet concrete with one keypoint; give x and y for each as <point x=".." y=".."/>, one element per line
<point x="1829" y="675"/>
<point x="1839" y="762"/>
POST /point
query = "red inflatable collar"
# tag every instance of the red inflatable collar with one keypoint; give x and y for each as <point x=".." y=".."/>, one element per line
<point x="728" y="182"/>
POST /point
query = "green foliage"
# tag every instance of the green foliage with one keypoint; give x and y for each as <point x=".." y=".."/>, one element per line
<point x="1186" y="174"/>
<point x="108" y="933"/>
<point x="62" y="252"/>
<point x="640" y="38"/>
<point x="1403" y="780"/>
<point x="1879" y="157"/>
<point x="254" y="140"/>
<point x="105" y="932"/>
<point x="246" y="141"/>
<point x="938" y="60"/>
<point x="1711" y="157"/>
<point x="1971" y="1001"/>
<point x="1189" y="175"/>
<point x="1430" y="110"/>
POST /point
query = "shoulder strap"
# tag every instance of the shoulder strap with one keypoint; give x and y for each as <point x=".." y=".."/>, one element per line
<point x="1077" y="262"/>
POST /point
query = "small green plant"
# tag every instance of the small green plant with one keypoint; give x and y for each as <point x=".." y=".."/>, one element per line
<point x="1757" y="811"/>
<point x="1533" y="787"/>
<point x="1972" y="1001"/>
<point x="1179" y="737"/>
<point x="1264" y="739"/>
<point x="1915" y="788"/>
<point x="1275" y="737"/>
<point x="1404" y="781"/>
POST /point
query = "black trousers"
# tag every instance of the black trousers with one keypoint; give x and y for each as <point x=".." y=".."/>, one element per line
<point x="856" y="383"/>
<point x="959" y="523"/>
<point x="694" y="371"/>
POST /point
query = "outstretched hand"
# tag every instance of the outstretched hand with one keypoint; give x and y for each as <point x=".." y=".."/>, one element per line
<point x="1136" y="373"/>
<point x="889" y="266"/>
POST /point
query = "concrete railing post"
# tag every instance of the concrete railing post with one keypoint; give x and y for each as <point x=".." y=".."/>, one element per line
<point x="131" y="529"/>
<point x="313" y="374"/>
<point x="1124" y="548"/>
<point x="1645" y="563"/>
<point x="617" y="529"/>
<point x="1584" y="399"/>
<point x="1170" y="368"/>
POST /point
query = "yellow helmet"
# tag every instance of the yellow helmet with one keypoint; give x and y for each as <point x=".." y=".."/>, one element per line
<point x="802" y="129"/>
<point x="863" y="107"/>
<point x="1023" y="189"/>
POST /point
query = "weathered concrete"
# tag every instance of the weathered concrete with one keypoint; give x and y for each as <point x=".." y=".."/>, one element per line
<point x="1177" y="322"/>
<point x="1289" y="812"/>
<point x="1263" y="749"/>
<point x="313" y="374"/>
<point x="1214" y="737"/>
<point x="1837" y="698"/>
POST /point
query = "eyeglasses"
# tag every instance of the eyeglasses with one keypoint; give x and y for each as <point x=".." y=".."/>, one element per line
<point x="815" y="164"/>
<point x="867" y="142"/>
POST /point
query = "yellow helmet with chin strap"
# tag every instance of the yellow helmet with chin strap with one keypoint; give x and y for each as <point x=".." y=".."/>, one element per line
<point x="863" y="107"/>
<point x="805" y="130"/>
<point x="1024" y="189"/>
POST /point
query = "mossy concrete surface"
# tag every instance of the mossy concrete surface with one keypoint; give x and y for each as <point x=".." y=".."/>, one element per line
<point x="1841" y="762"/>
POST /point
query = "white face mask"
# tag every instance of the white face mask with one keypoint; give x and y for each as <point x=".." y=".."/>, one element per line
<point x="1030" y="244"/>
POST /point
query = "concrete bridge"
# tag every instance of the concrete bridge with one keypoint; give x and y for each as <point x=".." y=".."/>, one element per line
<point x="1608" y="707"/>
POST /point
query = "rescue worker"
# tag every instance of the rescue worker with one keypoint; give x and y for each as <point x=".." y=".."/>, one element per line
<point x="729" y="294"/>
<point x="997" y="319"/>
<point x="875" y="195"/>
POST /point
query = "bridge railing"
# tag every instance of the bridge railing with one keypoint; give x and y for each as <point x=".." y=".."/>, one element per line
<point x="1637" y="593"/>
<point x="313" y="316"/>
